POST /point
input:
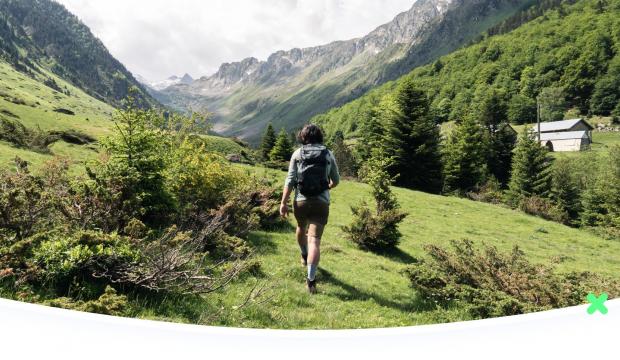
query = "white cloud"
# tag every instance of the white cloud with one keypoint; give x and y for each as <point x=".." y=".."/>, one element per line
<point x="158" y="38"/>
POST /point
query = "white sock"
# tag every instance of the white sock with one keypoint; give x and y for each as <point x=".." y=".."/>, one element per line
<point x="311" y="272"/>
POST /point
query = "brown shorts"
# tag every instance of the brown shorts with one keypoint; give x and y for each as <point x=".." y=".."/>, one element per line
<point x="312" y="215"/>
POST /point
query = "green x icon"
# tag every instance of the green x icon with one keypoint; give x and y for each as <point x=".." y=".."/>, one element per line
<point x="598" y="304"/>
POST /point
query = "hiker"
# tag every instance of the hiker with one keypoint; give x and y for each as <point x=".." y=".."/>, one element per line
<point x="312" y="173"/>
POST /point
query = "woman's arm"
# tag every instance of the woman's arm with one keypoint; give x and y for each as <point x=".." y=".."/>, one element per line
<point x="334" y="173"/>
<point x="289" y="184"/>
<point x="284" y="210"/>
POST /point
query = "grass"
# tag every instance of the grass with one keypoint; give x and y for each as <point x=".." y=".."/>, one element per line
<point x="359" y="289"/>
<point x="224" y="146"/>
<point x="32" y="103"/>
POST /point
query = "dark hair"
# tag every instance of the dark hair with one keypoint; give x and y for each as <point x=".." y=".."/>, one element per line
<point x="310" y="134"/>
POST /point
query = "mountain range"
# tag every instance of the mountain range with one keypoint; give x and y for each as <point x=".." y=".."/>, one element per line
<point x="290" y="87"/>
<point x="164" y="84"/>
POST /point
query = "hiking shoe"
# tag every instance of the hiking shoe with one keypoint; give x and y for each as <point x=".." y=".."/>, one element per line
<point x="311" y="286"/>
<point x="304" y="260"/>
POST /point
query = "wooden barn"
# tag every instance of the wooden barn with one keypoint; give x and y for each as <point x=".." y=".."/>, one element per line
<point x="565" y="135"/>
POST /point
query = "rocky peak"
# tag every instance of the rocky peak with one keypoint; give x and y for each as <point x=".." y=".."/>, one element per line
<point x="404" y="29"/>
<point x="186" y="79"/>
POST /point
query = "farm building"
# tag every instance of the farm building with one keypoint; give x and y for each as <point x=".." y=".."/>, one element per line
<point x="565" y="135"/>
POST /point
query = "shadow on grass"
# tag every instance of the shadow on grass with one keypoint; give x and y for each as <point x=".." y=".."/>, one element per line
<point x="262" y="243"/>
<point x="398" y="255"/>
<point x="405" y="304"/>
<point x="188" y="308"/>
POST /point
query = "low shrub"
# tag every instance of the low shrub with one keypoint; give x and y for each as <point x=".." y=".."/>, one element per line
<point x="543" y="208"/>
<point x="490" y="192"/>
<point x="490" y="283"/>
<point x="63" y="258"/>
<point x="155" y="212"/>
<point x="73" y="137"/>
<point x="20" y="136"/>
<point x="201" y="180"/>
<point x="376" y="230"/>
<point x="109" y="303"/>
<point x="26" y="202"/>
<point x="266" y="202"/>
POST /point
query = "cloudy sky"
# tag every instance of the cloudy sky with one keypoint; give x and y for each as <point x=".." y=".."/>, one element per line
<point x="159" y="38"/>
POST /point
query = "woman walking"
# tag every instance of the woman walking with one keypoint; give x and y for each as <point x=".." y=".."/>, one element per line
<point x="312" y="173"/>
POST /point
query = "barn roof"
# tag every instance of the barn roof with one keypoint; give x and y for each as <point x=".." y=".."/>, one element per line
<point x="565" y="135"/>
<point x="563" y="125"/>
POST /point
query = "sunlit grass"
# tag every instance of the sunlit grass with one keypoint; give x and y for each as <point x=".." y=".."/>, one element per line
<point x="359" y="289"/>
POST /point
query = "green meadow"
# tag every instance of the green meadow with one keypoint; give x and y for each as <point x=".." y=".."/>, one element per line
<point x="359" y="289"/>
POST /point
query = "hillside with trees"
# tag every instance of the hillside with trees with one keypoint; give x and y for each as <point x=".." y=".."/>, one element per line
<point x="566" y="57"/>
<point x="37" y="34"/>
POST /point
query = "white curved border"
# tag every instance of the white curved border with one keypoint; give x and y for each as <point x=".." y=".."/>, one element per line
<point x="30" y="331"/>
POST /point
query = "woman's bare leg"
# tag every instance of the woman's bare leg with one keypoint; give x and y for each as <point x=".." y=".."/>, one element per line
<point x="302" y="240"/>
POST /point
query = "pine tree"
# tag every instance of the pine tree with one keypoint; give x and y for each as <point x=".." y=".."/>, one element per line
<point x="293" y="138"/>
<point x="500" y="153"/>
<point x="601" y="200"/>
<point x="376" y="230"/>
<point x="344" y="158"/>
<point x="465" y="163"/>
<point x="371" y="136"/>
<point x="491" y="112"/>
<point x="268" y="142"/>
<point x="593" y="205"/>
<point x="531" y="170"/>
<point x="283" y="149"/>
<point x="412" y="138"/>
<point x="565" y="192"/>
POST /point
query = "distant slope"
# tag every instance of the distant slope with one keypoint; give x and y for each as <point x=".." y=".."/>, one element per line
<point x="571" y="46"/>
<point x="27" y="100"/>
<point x="42" y="33"/>
<point x="292" y="86"/>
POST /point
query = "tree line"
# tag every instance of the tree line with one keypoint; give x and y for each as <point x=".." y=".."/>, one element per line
<point x="482" y="158"/>
<point x="565" y="57"/>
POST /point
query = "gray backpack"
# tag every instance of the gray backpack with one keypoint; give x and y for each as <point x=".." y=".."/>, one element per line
<point x="312" y="177"/>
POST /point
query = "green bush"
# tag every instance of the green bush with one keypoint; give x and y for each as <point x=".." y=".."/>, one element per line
<point x="491" y="283"/>
<point x="544" y="208"/>
<point x="200" y="180"/>
<point x="26" y="202"/>
<point x="374" y="231"/>
<point x="378" y="230"/>
<point x="134" y="166"/>
<point x="109" y="303"/>
<point x="266" y="202"/>
<point x="63" y="257"/>
<point x="64" y="238"/>
<point x="490" y="192"/>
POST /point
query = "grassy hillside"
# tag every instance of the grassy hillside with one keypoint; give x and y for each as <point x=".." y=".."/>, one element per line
<point x="361" y="289"/>
<point x="42" y="33"/>
<point x="35" y="105"/>
<point x="30" y="102"/>
<point x="573" y="47"/>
